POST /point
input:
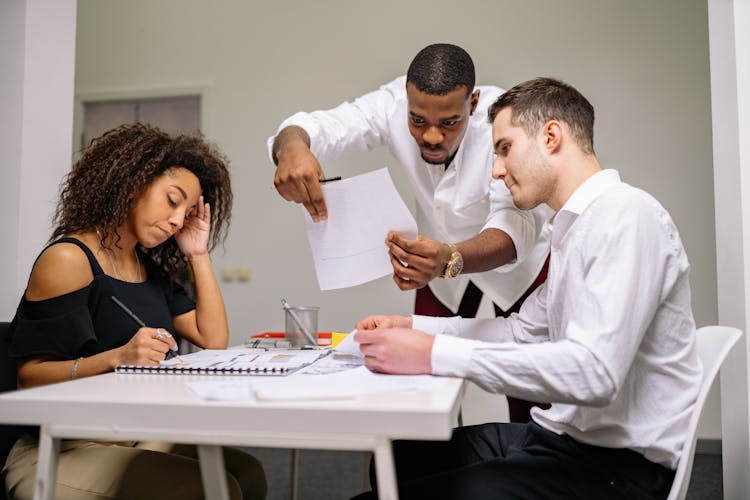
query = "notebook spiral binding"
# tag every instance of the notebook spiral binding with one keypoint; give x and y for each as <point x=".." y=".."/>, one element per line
<point x="188" y="370"/>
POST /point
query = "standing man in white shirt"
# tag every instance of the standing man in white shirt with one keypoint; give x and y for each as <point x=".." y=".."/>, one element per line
<point x="434" y="123"/>
<point x="609" y="339"/>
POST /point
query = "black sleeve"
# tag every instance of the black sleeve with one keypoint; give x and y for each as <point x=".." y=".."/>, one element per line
<point x="59" y="326"/>
<point x="179" y="300"/>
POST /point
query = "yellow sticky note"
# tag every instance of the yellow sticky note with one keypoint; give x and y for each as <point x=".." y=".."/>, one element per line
<point x="337" y="337"/>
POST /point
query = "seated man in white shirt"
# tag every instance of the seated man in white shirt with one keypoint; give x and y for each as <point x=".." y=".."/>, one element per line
<point x="434" y="123"/>
<point x="609" y="339"/>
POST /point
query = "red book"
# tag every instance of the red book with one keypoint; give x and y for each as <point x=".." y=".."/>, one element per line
<point x="324" y="338"/>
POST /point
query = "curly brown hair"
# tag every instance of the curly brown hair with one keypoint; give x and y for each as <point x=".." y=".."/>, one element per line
<point x="120" y="164"/>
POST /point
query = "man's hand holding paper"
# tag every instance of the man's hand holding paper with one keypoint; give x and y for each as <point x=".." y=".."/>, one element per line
<point x="399" y="350"/>
<point x="348" y="247"/>
<point x="416" y="262"/>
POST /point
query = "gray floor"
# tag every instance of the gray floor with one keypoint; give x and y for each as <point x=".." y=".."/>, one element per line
<point x="706" y="479"/>
<point x="322" y="475"/>
<point x="333" y="475"/>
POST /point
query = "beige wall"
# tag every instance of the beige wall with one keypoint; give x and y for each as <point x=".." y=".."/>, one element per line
<point x="643" y="64"/>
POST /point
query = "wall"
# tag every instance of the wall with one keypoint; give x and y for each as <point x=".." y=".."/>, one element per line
<point x="644" y="66"/>
<point x="729" y="28"/>
<point x="11" y="90"/>
<point x="37" y="49"/>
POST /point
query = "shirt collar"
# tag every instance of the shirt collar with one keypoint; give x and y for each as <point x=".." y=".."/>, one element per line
<point x="581" y="198"/>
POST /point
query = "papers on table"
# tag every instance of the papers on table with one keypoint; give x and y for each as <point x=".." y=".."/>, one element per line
<point x="335" y="362"/>
<point x="233" y="362"/>
<point x="343" y="385"/>
<point x="345" y="356"/>
<point x="349" y="345"/>
<point x="349" y="248"/>
<point x="329" y="374"/>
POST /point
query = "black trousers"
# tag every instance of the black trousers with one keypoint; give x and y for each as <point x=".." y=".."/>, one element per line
<point x="521" y="461"/>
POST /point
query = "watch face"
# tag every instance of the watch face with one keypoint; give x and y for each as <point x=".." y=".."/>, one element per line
<point x="455" y="264"/>
<point x="456" y="267"/>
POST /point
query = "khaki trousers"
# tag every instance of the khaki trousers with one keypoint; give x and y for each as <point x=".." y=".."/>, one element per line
<point x="92" y="470"/>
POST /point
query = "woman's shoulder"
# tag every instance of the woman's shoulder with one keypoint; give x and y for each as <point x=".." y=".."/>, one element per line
<point x="61" y="268"/>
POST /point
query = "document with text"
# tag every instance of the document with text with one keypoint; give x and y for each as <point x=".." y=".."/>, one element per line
<point x="233" y="362"/>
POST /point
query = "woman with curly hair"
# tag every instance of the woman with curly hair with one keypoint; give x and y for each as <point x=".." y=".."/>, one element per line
<point x="138" y="210"/>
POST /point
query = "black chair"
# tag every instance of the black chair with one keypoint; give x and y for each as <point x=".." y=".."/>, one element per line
<point x="8" y="366"/>
<point x="8" y="382"/>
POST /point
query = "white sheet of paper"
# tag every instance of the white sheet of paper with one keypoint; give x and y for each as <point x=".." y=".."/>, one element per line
<point x="348" y="384"/>
<point x="349" y="345"/>
<point x="349" y="248"/>
<point x="342" y="385"/>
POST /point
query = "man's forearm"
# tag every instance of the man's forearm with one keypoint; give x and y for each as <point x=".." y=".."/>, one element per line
<point x="287" y="136"/>
<point x="489" y="249"/>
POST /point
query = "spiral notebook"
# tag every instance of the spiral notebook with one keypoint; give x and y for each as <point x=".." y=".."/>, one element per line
<point x="233" y="362"/>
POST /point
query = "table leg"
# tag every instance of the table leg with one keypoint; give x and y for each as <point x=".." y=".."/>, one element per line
<point x="46" y="468"/>
<point x="294" y="474"/>
<point x="386" y="470"/>
<point x="213" y="472"/>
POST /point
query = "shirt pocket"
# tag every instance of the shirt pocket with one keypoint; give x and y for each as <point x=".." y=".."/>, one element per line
<point x="469" y="218"/>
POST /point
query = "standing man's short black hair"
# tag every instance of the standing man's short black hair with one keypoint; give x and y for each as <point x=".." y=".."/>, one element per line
<point x="441" y="67"/>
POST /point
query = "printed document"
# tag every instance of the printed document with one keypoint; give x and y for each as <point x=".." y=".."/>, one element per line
<point x="233" y="362"/>
<point x="349" y="248"/>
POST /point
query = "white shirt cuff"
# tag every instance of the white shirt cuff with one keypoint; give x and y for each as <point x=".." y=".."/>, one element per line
<point x="451" y="356"/>
<point x="302" y="120"/>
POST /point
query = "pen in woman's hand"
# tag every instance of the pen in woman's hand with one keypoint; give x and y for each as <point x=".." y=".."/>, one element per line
<point x="128" y="311"/>
<point x="160" y="334"/>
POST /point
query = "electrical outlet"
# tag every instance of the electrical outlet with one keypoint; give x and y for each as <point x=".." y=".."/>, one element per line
<point x="228" y="274"/>
<point x="243" y="273"/>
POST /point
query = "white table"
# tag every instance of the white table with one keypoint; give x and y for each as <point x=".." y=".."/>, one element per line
<point x="161" y="407"/>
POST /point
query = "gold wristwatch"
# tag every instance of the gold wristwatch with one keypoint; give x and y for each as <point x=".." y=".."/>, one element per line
<point x="454" y="265"/>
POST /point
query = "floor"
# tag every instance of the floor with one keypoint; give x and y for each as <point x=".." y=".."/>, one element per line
<point x="706" y="479"/>
<point x="333" y="475"/>
<point x="322" y="475"/>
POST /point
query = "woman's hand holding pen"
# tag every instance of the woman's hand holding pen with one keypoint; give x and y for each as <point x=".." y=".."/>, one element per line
<point x="148" y="346"/>
<point x="192" y="238"/>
